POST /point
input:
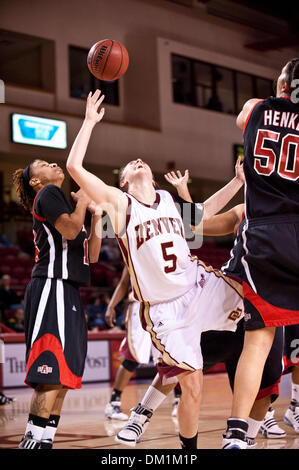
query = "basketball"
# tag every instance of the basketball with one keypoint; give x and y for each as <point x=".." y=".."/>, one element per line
<point x="108" y="59"/>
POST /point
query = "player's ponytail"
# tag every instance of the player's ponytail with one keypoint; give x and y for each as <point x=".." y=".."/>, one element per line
<point x="25" y="192"/>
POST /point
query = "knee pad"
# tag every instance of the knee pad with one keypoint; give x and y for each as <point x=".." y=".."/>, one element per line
<point x="131" y="366"/>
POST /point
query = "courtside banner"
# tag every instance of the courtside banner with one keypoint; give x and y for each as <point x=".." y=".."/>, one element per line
<point x="14" y="366"/>
<point x="97" y="364"/>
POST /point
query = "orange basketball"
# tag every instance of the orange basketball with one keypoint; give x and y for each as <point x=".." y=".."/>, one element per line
<point x="108" y="59"/>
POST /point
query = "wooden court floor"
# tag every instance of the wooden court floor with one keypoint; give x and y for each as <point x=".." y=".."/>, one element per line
<point x="83" y="425"/>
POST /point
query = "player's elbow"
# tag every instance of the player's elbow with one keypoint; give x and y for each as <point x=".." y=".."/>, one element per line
<point x="207" y="214"/>
<point x="70" y="234"/>
<point x="73" y="169"/>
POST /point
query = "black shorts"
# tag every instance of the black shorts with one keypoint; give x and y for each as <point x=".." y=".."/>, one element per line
<point x="271" y="266"/>
<point x="291" y="347"/>
<point x="226" y="347"/>
<point x="56" y="333"/>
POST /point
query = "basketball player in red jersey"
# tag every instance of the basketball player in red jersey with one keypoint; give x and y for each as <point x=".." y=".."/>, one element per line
<point x="270" y="237"/>
<point x="181" y="298"/>
<point x="55" y="325"/>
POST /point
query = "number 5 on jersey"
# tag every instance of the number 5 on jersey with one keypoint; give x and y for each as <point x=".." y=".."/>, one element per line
<point x="169" y="257"/>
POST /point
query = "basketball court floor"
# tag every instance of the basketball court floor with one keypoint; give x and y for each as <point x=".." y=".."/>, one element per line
<point x="83" y="425"/>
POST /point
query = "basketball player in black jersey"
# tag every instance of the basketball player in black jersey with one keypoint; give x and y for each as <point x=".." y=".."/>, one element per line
<point x="270" y="236"/>
<point x="55" y="325"/>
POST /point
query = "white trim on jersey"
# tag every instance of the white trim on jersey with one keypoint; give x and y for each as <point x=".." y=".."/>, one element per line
<point x="64" y="258"/>
<point x="60" y="311"/>
<point x="51" y="252"/>
<point x="41" y="308"/>
<point x="244" y="262"/>
<point x="231" y="256"/>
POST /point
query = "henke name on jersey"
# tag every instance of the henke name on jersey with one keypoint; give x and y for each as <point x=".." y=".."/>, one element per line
<point x="281" y="119"/>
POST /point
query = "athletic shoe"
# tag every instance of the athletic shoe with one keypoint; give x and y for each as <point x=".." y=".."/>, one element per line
<point x="291" y="418"/>
<point x="4" y="400"/>
<point x="113" y="411"/>
<point x="135" y="427"/>
<point x="28" y="442"/>
<point x="234" y="440"/>
<point x="270" y="428"/>
<point x="46" y="444"/>
<point x="175" y="405"/>
<point x="112" y="426"/>
<point x="251" y="443"/>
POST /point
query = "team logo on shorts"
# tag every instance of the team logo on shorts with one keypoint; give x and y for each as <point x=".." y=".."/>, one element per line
<point x="202" y="280"/>
<point x="247" y="316"/>
<point x="235" y="314"/>
<point x="45" y="369"/>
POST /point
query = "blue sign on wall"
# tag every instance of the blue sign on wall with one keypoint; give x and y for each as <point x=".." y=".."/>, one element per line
<point x="40" y="131"/>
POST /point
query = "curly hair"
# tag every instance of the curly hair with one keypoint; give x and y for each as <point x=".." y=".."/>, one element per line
<point x="25" y="192"/>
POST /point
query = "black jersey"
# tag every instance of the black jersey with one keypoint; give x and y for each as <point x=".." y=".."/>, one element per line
<point x="234" y="266"/>
<point x="271" y="158"/>
<point x="55" y="256"/>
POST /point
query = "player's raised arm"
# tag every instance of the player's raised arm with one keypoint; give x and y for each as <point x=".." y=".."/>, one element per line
<point x="180" y="183"/>
<point x="219" y="200"/>
<point x="111" y="199"/>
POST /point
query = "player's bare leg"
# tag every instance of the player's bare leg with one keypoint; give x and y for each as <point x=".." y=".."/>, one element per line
<point x="42" y="402"/>
<point x="188" y="410"/>
<point x="43" y="399"/>
<point x="123" y="376"/>
<point x="257" y="345"/>
<point x="260" y="408"/>
<point x="53" y="421"/>
<point x="262" y="420"/>
<point x="291" y="417"/>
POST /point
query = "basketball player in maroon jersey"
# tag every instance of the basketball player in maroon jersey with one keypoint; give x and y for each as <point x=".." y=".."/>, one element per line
<point x="162" y="249"/>
<point x="270" y="236"/>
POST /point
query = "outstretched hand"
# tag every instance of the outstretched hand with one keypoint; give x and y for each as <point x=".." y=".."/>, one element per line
<point x="239" y="171"/>
<point x="176" y="179"/>
<point x="93" y="103"/>
<point x="110" y="316"/>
